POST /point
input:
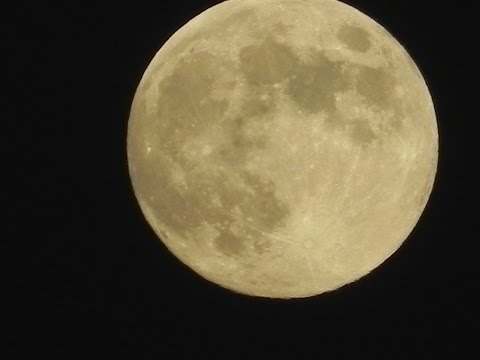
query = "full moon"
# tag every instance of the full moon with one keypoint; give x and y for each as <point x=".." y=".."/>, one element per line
<point x="282" y="148"/>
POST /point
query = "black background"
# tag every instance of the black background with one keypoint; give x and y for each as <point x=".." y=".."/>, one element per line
<point x="87" y="278"/>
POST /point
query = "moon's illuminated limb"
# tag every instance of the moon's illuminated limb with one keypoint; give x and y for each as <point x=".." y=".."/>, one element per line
<point x="282" y="148"/>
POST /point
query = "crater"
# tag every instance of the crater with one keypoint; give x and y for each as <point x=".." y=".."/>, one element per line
<point x="355" y="38"/>
<point x="313" y="85"/>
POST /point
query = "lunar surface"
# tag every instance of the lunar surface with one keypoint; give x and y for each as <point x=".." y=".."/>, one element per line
<point x="282" y="148"/>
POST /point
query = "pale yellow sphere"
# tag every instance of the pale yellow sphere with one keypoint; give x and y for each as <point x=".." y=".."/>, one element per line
<point x="282" y="148"/>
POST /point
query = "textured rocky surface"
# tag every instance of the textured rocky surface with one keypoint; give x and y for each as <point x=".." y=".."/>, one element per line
<point x="282" y="149"/>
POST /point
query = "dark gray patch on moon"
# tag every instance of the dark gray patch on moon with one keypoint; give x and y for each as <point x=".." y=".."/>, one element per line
<point x="312" y="85"/>
<point x="185" y="105"/>
<point x="355" y="38"/>
<point x="258" y="102"/>
<point x="376" y="85"/>
<point x="253" y="197"/>
<point x="358" y="130"/>
<point x="267" y="63"/>
<point x="244" y="142"/>
<point x="263" y="205"/>
<point x="229" y="244"/>
<point x="255" y="109"/>
<point x="361" y="132"/>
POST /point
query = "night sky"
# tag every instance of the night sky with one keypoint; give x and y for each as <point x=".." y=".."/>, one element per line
<point x="87" y="278"/>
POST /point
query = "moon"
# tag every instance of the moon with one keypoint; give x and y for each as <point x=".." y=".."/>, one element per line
<point x="282" y="148"/>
